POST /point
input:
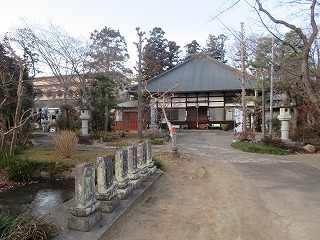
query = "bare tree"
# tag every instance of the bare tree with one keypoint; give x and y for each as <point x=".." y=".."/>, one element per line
<point x="140" y="108"/>
<point x="162" y="98"/>
<point x="308" y="39"/>
<point x="62" y="53"/>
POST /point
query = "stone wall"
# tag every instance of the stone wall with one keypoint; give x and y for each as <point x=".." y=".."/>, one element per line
<point x="133" y="165"/>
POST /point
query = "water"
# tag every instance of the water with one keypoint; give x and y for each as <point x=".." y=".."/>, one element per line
<point x="38" y="198"/>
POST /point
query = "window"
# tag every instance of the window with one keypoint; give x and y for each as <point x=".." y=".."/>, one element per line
<point x="216" y="114"/>
<point x="229" y="115"/>
<point x="178" y="114"/>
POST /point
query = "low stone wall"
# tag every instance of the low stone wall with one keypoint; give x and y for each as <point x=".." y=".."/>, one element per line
<point x="133" y="166"/>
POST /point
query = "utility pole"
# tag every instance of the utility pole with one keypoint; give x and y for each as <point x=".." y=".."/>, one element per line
<point x="140" y="107"/>
<point x="263" y="106"/>
<point x="271" y="90"/>
<point x="243" y="82"/>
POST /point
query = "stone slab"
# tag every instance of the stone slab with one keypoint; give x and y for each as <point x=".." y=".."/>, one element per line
<point x="109" y="221"/>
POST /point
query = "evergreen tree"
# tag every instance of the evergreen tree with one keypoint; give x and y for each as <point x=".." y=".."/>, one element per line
<point x="102" y="100"/>
<point x="216" y="46"/>
<point x="193" y="47"/>
<point x="159" y="54"/>
<point x="173" y="55"/>
<point x="108" y="53"/>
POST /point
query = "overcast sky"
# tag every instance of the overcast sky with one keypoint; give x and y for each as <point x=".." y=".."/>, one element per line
<point x="182" y="20"/>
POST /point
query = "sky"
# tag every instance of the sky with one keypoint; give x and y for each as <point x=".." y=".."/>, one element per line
<point x="181" y="20"/>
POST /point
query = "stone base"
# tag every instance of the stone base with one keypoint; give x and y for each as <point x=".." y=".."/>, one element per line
<point x="110" y="205"/>
<point x="136" y="183"/>
<point x="124" y="193"/>
<point x="145" y="176"/>
<point x="84" y="224"/>
<point x="153" y="169"/>
<point x="84" y="212"/>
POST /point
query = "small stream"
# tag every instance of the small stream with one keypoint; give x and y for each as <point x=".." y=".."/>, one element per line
<point x="38" y="198"/>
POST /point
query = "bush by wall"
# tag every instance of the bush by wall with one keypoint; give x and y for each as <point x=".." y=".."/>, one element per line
<point x="65" y="143"/>
<point x="26" y="170"/>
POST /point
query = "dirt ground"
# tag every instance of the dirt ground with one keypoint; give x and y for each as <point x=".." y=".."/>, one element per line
<point x="200" y="200"/>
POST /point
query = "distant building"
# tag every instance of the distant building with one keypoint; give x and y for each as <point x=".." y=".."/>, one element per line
<point x="50" y="92"/>
<point x="208" y="92"/>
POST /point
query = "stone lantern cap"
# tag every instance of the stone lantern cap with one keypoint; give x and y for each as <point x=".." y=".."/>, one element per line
<point x="284" y="113"/>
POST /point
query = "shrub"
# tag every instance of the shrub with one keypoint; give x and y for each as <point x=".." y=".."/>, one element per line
<point x="274" y="142"/>
<point x="25" y="227"/>
<point x="158" y="163"/>
<point x="157" y="141"/>
<point x="108" y="138"/>
<point x="86" y="140"/>
<point x="225" y="127"/>
<point x="244" y="136"/>
<point x="22" y="170"/>
<point x="25" y="170"/>
<point x="65" y="143"/>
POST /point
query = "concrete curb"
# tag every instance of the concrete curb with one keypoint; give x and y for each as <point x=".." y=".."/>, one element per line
<point x="107" y="226"/>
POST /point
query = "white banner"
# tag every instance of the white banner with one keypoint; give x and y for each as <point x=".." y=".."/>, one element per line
<point x="238" y="115"/>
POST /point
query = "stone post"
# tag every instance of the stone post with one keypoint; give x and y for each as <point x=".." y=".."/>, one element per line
<point x="133" y="170"/>
<point x="153" y="114"/>
<point x="142" y="161"/>
<point x="106" y="188"/>
<point x="150" y="162"/>
<point x="284" y="117"/>
<point x="86" y="212"/>
<point x="174" y="142"/>
<point x="121" y="174"/>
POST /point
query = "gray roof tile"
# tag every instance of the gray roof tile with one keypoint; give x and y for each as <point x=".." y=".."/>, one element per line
<point x="197" y="74"/>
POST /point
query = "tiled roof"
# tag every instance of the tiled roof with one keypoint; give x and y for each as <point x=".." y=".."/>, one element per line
<point x="197" y="74"/>
<point x="129" y="104"/>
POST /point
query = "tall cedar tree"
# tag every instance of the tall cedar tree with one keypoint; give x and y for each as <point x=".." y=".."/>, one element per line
<point x="193" y="48"/>
<point x="159" y="54"/>
<point x="108" y="53"/>
<point x="216" y="46"/>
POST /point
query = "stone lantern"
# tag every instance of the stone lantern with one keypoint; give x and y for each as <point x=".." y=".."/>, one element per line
<point x="284" y="117"/>
<point x="84" y="116"/>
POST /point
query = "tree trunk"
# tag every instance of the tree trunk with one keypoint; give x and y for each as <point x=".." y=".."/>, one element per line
<point x="16" y="122"/>
<point x="65" y="93"/>
<point x="307" y="84"/>
<point x="106" y="114"/>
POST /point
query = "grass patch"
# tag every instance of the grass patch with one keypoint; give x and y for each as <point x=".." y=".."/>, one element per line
<point x="157" y="141"/>
<point x="47" y="154"/>
<point x="25" y="227"/>
<point x="258" y="148"/>
<point x="27" y="165"/>
<point x="159" y="163"/>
